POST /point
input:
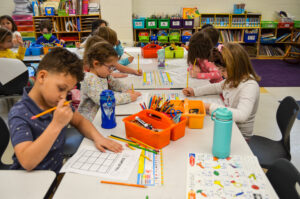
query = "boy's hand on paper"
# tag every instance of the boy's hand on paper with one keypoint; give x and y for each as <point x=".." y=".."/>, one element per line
<point x="138" y="72"/>
<point x="102" y="143"/>
<point x="130" y="59"/>
<point x="63" y="114"/>
<point x="77" y="44"/>
<point x="188" y="92"/>
<point x="133" y="96"/>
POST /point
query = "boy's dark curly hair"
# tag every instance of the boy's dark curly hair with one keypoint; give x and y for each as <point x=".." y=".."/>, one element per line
<point x="61" y="60"/>
<point x="46" y="24"/>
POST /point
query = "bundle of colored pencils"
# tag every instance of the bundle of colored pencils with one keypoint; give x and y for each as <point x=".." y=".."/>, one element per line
<point x="158" y="104"/>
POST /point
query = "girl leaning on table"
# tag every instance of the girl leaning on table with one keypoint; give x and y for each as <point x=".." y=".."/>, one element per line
<point x="240" y="87"/>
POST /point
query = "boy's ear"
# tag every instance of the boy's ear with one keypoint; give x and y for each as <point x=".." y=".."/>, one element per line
<point x="41" y="76"/>
<point x="96" y="63"/>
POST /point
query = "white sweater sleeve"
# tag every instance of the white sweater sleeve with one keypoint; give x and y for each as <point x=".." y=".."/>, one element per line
<point x="247" y="97"/>
<point x="209" y="89"/>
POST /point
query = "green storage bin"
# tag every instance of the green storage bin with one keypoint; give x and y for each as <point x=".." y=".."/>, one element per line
<point x="163" y="39"/>
<point x="164" y="23"/>
<point x="178" y="53"/>
<point x="269" y="24"/>
<point x="174" y="37"/>
<point x="296" y="24"/>
<point x="144" y="39"/>
<point x="151" y="23"/>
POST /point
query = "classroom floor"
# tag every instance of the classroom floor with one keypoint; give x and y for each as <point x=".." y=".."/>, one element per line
<point x="265" y="124"/>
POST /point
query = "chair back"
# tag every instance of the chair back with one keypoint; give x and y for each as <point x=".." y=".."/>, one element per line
<point x="4" y="140"/>
<point x="285" y="116"/>
<point x="285" y="179"/>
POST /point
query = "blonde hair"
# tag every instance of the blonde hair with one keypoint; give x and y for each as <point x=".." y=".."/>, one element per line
<point x="89" y="42"/>
<point x="238" y="65"/>
<point x="108" y="34"/>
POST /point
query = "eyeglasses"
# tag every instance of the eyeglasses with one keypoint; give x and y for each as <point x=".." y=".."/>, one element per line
<point x="111" y="68"/>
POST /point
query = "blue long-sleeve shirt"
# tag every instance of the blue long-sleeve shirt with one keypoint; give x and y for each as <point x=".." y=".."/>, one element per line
<point x="120" y="50"/>
<point x="42" y="39"/>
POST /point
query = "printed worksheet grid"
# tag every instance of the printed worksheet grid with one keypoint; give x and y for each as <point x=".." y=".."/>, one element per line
<point x="95" y="161"/>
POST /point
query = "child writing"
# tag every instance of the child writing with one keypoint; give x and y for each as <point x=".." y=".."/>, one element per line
<point x="240" y="88"/>
<point x="7" y="22"/>
<point x="199" y="49"/>
<point x="38" y="144"/>
<point x="6" y="43"/>
<point x="46" y="29"/>
<point x="102" y="58"/>
<point x="111" y="37"/>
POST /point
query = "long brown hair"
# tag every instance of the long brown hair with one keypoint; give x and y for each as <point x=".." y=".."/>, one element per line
<point x="238" y="65"/>
<point x="90" y="41"/>
<point x="108" y="34"/>
<point x="200" y="45"/>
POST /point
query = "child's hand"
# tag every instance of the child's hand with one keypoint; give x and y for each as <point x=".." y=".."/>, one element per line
<point x="19" y="40"/>
<point x="133" y="95"/>
<point x="119" y="75"/>
<point x="101" y="143"/>
<point x="130" y="59"/>
<point x="207" y="106"/>
<point x="63" y="114"/>
<point x="188" y="92"/>
<point x="138" y="72"/>
<point x="194" y="72"/>
<point x="134" y="92"/>
<point x="77" y="44"/>
<point x="62" y="41"/>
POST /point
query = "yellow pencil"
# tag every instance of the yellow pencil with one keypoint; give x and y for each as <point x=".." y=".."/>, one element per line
<point x="120" y="139"/>
<point x="132" y="87"/>
<point x="128" y="54"/>
<point x="48" y="111"/>
<point x="142" y="143"/>
<point x="146" y="157"/>
<point x="194" y="64"/>
<point x="187" y="79"/>
<point x="132" y="148"/>
<point x="158" y="77"/>
<point x="138" y="62"/>
<point x="162" y="167"/>
<point x="154" y="77"/>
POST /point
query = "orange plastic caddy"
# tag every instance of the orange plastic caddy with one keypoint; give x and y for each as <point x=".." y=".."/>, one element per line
<point x="168" y="129"/>
<point x="150" y="50"/>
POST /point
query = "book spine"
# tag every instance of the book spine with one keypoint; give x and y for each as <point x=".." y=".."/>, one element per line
<point x="85" y="7"/>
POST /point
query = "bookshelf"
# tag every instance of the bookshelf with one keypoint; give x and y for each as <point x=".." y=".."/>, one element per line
<point x="69" y="28"/>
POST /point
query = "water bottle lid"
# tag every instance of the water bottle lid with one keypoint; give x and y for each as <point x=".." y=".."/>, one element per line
<point x="223" y="114"/>
<point x="107" y="93"/>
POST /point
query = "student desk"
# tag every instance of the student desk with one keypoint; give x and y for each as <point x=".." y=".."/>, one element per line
<point x="174" y="158"/>
<point x="134" y="107"/>
<point x="15" y="184"/>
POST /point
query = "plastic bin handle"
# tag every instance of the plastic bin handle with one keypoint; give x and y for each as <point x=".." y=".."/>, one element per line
<point x="151" y="46"/>
<point x="212" y="115"/>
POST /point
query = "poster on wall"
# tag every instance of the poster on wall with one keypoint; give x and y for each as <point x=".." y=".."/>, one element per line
<point x="190" y="13"/>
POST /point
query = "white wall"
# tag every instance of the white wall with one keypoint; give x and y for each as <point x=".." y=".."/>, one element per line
<point x="265" y="7"/>
<point x="118" y="13"/>
<point x="7" y="7"/>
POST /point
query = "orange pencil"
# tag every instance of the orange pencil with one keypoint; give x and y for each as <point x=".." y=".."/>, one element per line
<point x="48" y="111"/>
<point x="124" y="184"/>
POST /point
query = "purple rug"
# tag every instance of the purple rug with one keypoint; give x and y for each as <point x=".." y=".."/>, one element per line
<point x="277" y="73"/>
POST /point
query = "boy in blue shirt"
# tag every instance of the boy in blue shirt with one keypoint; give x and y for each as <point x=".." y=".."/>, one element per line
<point x="47" y="37"/>
<point x="38" y="144"/>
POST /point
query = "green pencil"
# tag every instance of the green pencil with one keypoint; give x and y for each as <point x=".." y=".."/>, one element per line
<point x="139" y="147"/>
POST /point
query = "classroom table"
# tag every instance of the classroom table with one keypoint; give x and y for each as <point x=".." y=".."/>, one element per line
<point x="15" y="184"/>
<point x="134" y="107"/>
<point x="174" y="157"/>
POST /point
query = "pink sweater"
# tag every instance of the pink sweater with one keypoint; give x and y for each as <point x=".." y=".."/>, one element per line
<point x="208" y="71"/>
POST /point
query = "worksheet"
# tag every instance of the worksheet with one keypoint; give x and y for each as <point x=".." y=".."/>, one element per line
<point x="90" y="161"/>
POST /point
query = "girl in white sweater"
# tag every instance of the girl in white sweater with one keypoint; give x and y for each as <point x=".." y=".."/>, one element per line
<point x="240" y="88"/>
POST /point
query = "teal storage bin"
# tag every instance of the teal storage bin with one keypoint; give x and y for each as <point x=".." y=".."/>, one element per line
<point x="138" y="23"/>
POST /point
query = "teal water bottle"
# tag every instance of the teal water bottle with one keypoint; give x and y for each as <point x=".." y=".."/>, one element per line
<point x="222" y="132"/>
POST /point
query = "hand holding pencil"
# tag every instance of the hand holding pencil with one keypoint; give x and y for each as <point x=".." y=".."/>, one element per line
<point x="63" y="114"/>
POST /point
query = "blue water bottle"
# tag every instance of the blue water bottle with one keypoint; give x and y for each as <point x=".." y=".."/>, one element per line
<point x="108" y="104"/>
<point x="222" y="132"/>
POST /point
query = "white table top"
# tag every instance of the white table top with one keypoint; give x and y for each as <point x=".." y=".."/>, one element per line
<point x="16" y="184"/>
<point x="174" y="158"/>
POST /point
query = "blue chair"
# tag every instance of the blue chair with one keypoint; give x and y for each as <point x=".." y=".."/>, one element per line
<point x="268" y="151"/>
<point x="73" y="140"/>
<point x="284" y="178"/>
